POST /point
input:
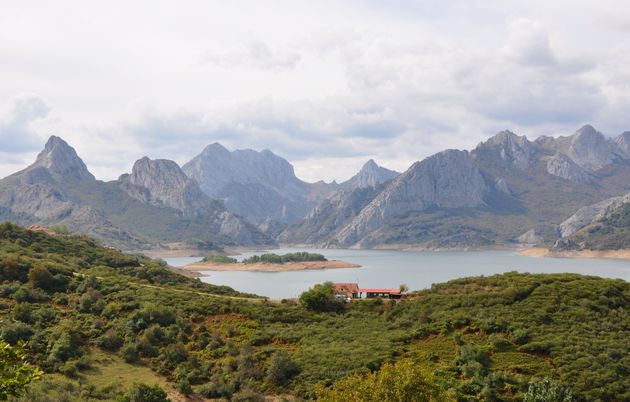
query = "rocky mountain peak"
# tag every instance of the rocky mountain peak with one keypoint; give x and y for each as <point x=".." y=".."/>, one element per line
<point x="157" y="173"/>
<point x="513" y="149"/>
<point x="62" y="161"/>
<point x="163" y="182"/>
<point x="591" y="150"/>
<point x="370" y="175"/>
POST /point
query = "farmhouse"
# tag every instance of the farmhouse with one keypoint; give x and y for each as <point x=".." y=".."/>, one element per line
<point x="352" y="291"/>
<point x="347" y="290"/>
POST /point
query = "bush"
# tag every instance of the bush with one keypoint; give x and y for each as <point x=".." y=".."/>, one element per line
<point x="109" y="341"/>
<point x="547" y="391"/>
<point x="321" y="297"/>
<point x="16" y="332"/>
<point x="144" y="393"/>
<point x="403" y="381"/>
<point x="281" y="368"/>
<point x="23" y="312"/>
<point x="15" y="373"/>
<point x="129" y="353"/>
<point x="40" y="277"/>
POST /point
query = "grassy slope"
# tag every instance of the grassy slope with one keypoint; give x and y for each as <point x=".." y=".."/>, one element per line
<point x="568" y="327"/>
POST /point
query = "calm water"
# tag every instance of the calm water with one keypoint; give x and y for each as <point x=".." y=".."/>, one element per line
<point x="418" y="270"/>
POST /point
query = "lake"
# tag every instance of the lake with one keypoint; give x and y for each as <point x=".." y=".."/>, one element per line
<point x="389" y="269"/>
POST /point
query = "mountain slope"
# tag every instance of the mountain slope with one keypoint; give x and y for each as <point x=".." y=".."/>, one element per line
<point x="505" y="188"/>
<point x="257" y="185"/>
<point x="601" y="226"/>
<point x="58" y="189"/>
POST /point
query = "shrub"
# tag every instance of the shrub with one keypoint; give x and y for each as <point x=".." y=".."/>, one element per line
<point x="40" y="277"/>
<point x="403" y="381"/>
<point x="23" y="312"/>
<point x="547" y="391"/>
<point x="109" y="341"/>
<point x="129" y="353"/>
<point x="144" y="393"/>
<point x="281" y="368"/>
<point x="321" y="297"/>
<point x="15" y="373"/>
<point x="16" y="332"/>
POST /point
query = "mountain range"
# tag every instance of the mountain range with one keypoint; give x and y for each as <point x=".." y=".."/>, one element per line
<point x="506" y="190"/>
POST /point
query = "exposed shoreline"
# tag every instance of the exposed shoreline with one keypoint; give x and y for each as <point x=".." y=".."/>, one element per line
<point x="584" y="254"/>
<point x="266" y="267"/>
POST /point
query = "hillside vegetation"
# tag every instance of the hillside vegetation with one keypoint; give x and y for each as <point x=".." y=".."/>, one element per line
<point x="96" y="321"/>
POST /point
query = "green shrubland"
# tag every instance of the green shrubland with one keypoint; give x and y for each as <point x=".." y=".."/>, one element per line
<point x="96" y="321"/>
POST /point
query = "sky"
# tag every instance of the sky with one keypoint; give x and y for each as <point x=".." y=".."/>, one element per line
<point x="325" y="84"/>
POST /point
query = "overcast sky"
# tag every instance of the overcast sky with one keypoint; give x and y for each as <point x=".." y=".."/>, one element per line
<point x="324" y="84"/>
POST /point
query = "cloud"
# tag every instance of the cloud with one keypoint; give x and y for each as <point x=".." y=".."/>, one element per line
<point x="253" y="54"/>
<point x="17" y="124"/>
<point x="319" y="83"/>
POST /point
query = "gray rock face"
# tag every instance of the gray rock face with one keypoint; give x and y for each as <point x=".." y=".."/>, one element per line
<point x="61" y="161"/>
<point x="163" y="183"/>
<point x="514" y="150"/>
<point x="591" y="213"/>
<point x="502" y="186"/>
<point x="330" y="215"/>
<point x="370" y="175"/>
<point x="623" y="144"/>
<point x="257" y="185"/>
<point x="156" y="203"/>
<point x="591" y="150"/>
<point x="562" y="166"/>
<point x="531" y="237"/>
<point x="449" y="179"/>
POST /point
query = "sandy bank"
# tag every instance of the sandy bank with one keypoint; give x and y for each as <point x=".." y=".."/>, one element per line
<point x="262" y="267"/>
<point x="543" y="252"/>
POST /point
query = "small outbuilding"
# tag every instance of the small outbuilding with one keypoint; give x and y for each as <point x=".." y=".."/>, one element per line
<point x="384" y="293"/>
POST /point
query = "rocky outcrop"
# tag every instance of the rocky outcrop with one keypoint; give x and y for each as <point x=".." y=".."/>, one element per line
<point x="370" y="175"/>
<point x="162" y="182"/>
<point x="623" y="144"/>
<point x="61" y="161"/>
<point x="449" y="179"/>
<point x="562" y="166"/>
<point x="330" y="215"/>
<point x="513" y="150"/>
<point x="591" y="150"/>
<point x="591" y="213"/>
<point x="531" y="237"/>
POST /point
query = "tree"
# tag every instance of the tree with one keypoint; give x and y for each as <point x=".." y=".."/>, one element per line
<point x="15" y="372"/>
<point x="547" y="391"/>
<point x="404" y="381"/>
<point x="281" y="368"/>
<point x="144" y="393"/>
<point x="321" y="297"/>
<point x="403" y="288"/>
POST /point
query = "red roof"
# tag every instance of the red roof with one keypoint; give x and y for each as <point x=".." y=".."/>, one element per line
<point x="376" y="290"/>
<point x="346" y="287"/>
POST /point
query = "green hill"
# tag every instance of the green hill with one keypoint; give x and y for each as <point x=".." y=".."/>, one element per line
<point x="96" y="321"/>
